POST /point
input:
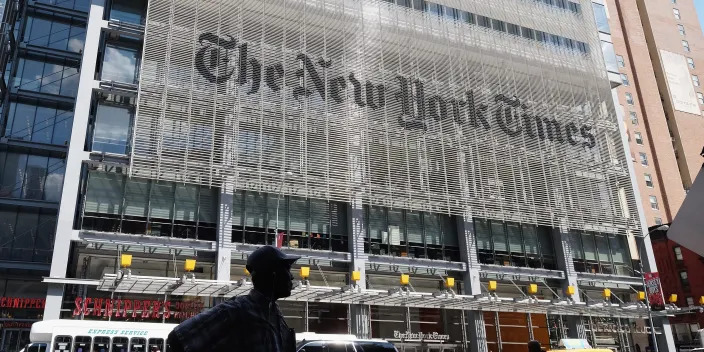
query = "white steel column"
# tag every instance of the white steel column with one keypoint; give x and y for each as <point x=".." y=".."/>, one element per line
<point x="476" y="328"/>
<point x="74" y="160"/>
<point x="565" y="262"/>
<point x="224" y="245"/>
<point x="359" y="313"/>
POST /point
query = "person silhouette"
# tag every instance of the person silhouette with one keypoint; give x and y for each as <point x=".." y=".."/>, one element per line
<point x="247" y="323"/>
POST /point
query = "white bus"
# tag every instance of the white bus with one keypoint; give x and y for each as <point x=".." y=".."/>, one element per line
<point x="119" y="336"/>
<point x="97" y="336"/>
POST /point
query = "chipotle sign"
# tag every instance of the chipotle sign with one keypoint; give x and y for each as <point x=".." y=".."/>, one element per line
<point x="135" y="308"/>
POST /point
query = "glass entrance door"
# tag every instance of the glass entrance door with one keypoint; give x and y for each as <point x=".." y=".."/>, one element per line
<point x="14" y="340"/>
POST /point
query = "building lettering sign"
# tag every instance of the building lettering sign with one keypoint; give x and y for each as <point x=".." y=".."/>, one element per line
<point x="135" y="308"/>
<point x="421" y="336"/>
<point x="22" y="303"/>
<point x="375" y="102"/>
<point x="214" y="61"/>
<point x="121" y="332"/>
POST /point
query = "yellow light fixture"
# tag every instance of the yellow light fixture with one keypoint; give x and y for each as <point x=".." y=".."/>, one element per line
<point x="189" y="265"/>
<point x="570" y="291"/>
<point x="701" y="300"/>
<point x="492" y="286"/>
<point x="356" y="276"/>
<point x="641" y="295"/>
<point x="246" y="272"/>
<point x="673" y="298"/>
<point x="405" y="279"/>
<point x="607" y="293"/>
<point x="532" y="289"/>
<point x="304" y="273"/>
<point x="126" y="260"/>
<point x="450" y="282"/>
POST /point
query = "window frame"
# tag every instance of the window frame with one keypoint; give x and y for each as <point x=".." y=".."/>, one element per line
<point x="653" y="202"/>
<point x="624" y="80"/>
<point x="678" y="253"/>
<point x="629" y="98"/>
<point x="648" y="180"/>
<point x="643" y="158"/>
<point x="638" y="138"/>
<point x="676" y="13"/>
<point x="681" y="29"/>
<point x="685" y="45"/>
<point x="690" y="62"/>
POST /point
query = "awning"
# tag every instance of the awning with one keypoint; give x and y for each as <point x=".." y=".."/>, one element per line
<point x="161" y="286"/>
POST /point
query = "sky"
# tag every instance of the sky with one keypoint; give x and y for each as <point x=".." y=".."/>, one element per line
<point x="699" y="4"/>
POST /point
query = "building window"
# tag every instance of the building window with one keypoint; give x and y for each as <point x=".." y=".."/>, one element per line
<point x="413" y="234"/>
<point x="673" y="1"/>
<point x="602" y="21"/>
<point x="680" y="28"/>
<point x="510" y="243"/>
<point x="629" y="96"/>
<point x="678" y="253"/>
<point x="685" y="45"/>
<point x="639" y="138"/>
<point x="34" y="177"/>
<point x="676" y="12"/>
<point x="643" y="159"/>
<point x="654" y="203"/>
<point x="658" y="221"/>
<point x="684" y="278"/>
<point x="129" y="11"/>
<point x="47" y="77"/>
<point x="695" y="80"/>
<point x="690" y="302"/>
<point x="621" y="61"/>
<point x="121" y="62"/>
<point x="116" y="203"/>
<point x="55" y="33"/>
<point x="690" y="62"/>
<point x="30" y="233"/>
<point x="113" y="123"/>
<point x="600" y="253"/>
<point x="648" y="180"/>
<point x="634" y="117"/>
<point x="624" y="79"/>
<point x="38" y="124"/>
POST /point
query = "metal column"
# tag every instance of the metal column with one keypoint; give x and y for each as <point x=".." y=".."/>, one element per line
<point x="476" y="328"/>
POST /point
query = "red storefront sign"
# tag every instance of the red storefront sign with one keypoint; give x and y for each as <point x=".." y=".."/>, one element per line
<point x="16" y="325"/>
<point x="136" y="308"/>
<point x="22" y="302"/>
<point x="655" y="296"/>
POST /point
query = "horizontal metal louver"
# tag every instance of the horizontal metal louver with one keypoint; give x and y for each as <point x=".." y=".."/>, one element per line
<point x="363" y="99"/>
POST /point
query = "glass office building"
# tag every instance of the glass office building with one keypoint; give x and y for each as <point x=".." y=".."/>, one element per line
<point x="466" y="140"/>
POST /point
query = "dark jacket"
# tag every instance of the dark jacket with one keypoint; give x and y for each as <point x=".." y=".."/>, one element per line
<point x="249" y="323"/>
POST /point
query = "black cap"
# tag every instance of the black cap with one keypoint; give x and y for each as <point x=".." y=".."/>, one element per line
<point x="268" y="258"/>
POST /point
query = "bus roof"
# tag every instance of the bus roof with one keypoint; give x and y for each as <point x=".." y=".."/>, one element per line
<point x="42" y="331"/>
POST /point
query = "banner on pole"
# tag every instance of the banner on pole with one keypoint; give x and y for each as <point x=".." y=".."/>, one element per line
<point x="654" y="291"/>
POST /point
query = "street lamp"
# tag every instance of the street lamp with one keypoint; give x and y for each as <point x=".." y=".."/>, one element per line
<point x="278" y="200"/>
<point x="642" y="276"/>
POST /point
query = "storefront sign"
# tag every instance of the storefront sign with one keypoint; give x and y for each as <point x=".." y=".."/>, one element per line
<point x="655" y="297"/>
<point x="22" y="303"/>
<point x="434" y="336"/>
<point x="16" y="324"/>
<point x="135" y="308"/>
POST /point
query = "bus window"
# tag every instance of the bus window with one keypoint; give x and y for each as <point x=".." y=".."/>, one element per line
<point x="156" y="345"/>
<point x="82" y="344"/>
<point x="37" y="347"/>
<point x="119" y="344"/>
<point x="101" y="344"/>
<point x="137" y="344"/>
<point x="62" y="343"/>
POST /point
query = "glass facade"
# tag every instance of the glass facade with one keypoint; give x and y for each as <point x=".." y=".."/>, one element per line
<point x="602" y="21"/>
<point x="39" y="124"/>
<point x="510" y="243"/>
<point x="27" y="176"/>
<point x="80" y="5"/>
<point x="58" y="78"/>
<point x="302" y="223"/>
<point x="121" y="62"/>
<point x="113" y="123"/>
<point x="26" y="235"/>
<point x="55" y="33"/>
<point x="116" y="203"/>
<point x="413" y="234"/>
<point x="600" y="253"/>
<point x="128" y="11"/>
